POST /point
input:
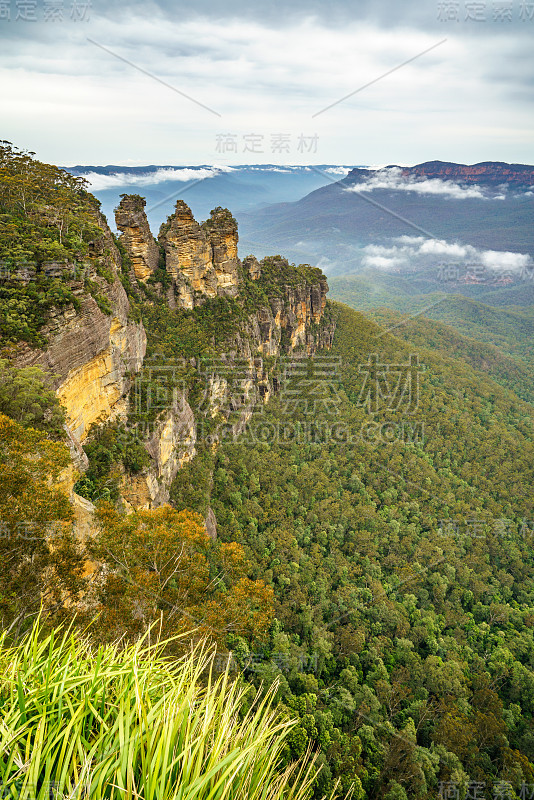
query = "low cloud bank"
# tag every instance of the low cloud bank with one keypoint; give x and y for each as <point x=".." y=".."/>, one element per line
<point x="407" y="253"/>
<point x="392" y="179"/>
<point x="99" y="182"/>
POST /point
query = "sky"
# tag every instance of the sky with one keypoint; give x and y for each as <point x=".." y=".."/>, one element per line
<point x="370" y="82"/>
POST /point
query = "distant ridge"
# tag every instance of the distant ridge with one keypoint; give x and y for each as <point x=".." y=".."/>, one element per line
<point x="485" y="172"/>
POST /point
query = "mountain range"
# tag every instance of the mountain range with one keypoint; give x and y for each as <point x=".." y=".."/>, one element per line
<point x="490" y="173"/>
<point x="203" y="187"/>
<point x="207" y="446"/>
<point x="408" y="221"/>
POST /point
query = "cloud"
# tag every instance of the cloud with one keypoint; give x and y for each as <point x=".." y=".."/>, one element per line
<point x="382" y="262"/>
<point x="337" y="13"/>
<point x="442" y="248"/>
<point x="266" y="72"/>
<point x="393" y="180"/>
<point x="98" y="181"/>
<point x="338" y="170"/>
<point x="512" y="262"/>
<point x="288" y="168"/>
<point x="417" y="253"/>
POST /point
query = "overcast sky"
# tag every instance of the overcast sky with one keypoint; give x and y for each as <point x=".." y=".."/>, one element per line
<point x="250" y="77"/>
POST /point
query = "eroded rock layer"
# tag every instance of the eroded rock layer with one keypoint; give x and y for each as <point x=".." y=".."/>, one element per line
<point x="91" y="350"/>
<point x="136" y="236"/>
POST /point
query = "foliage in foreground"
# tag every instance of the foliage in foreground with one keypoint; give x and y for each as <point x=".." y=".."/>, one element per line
<point x="112" y="723"/>
<point x="41" y="561"/>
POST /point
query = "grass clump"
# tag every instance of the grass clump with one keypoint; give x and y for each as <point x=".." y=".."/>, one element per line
<point x="85" y="722"/>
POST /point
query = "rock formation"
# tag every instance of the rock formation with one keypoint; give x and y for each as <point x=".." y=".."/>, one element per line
<point x="252" y="266"/>
<point x="486" y="172"/>
<point x="293" y="319"/>
<point x="221" y="229"/>
<point x="136" y="237"/>
<point x="171" y="444"/>
<point x="95" y="350"/>
<point x="202" y="259"/>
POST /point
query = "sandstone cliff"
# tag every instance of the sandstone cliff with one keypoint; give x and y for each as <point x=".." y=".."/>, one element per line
<point x="293" y="319"/>
<point x="94" y="352"/>
<point x="486" y="172"/>
<point x="81" y="304"/>
<point x="282" y="313"/>
<point x="490" y="173"/>
<point x="91" y="350"/>
<point x="171" y="444"/>
<point x="202" y="261"/>
<point x="221" y="230"/>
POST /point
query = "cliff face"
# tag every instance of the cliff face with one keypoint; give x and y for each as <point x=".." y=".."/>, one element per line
<point x="170" y="445"/>
<point x="87" y="336"/>
<point x="96" y="389"/>
<point x="202" y="261"/>
<point x="94" y="351"/>
<point x="294" y="317"/>
<point x="294" y="322"/>
<point x="136" y="236"/>
<point x="487" y="172"/>
<point x="221" y="230"/>
<point x="252" y="266"/>
<point x="282" y="313"/>
<point x="89" y="351"/>
<point x="491" y="173"/>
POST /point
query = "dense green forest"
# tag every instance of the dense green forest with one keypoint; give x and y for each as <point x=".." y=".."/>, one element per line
<point x="500" y="317"/>
<point x="402" y="568"/>
<point x="373" y="572"/>
<point x="512" y="371"/>
<point x="399" y="549"/>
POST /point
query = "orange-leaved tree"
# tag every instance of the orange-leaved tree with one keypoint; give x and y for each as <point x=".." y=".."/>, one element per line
<point x="161" y="566"/>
